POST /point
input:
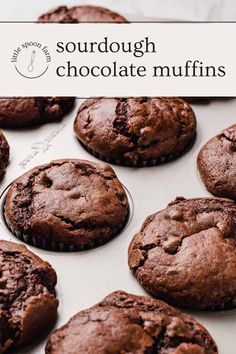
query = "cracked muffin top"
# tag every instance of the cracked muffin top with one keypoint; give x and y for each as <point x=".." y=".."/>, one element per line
<point x="67" y="202"/>
<point x="4" y="153"/>
<point x="23" y="111"/>
<point x="125" y="323"/>
<point x="217" y="164"/>
<point x="135" y="131"/>
<point x="185" y="254"/>
<point x="78" y="14"/>
<point x="27" y="296"/>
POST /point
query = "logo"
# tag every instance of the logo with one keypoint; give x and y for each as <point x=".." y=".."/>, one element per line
<point x="31" y="59"/>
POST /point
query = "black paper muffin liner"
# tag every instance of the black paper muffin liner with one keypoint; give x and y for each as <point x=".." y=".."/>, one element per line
<point x="141" y="163"/>
<point x="230" y="305"/>
<point x="55" y="246"/>
<point x="224" y="306"/>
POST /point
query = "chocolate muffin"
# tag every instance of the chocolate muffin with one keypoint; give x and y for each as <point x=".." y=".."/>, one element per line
<point x="28" y="306"/>
<point x="78" y="14"/>
<point x="186" y="253"/>
<point x="135" y="131"/>
<point x="217" y="164"/>
<point x="4" y="153"/>
<point x="125" y="323"/>
<point x="66" y="205"/>
<point x="24" y="111"/>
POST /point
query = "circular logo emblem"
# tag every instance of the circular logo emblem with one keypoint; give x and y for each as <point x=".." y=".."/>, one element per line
<point x="31" y="59"/>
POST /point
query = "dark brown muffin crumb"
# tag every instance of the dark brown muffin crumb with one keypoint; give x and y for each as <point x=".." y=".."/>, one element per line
<point x="135" y="131"/>
<point x="4" y="153"/>
<point x="27" y="296"/>
<point x="26" y="111"/>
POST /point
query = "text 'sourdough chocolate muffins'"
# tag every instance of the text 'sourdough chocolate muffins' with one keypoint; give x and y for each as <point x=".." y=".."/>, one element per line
<point x="78" y="14"/>
<point x="217" y="164"/>
<point x="4" y="153"/>
<point x="125" y="323"/>
<point x="26" y="111"/>
<point x="66" y="205"/>
<point x="28" y="305"/>
<point x="186" y="253"/>
<point x="135" y="131"/>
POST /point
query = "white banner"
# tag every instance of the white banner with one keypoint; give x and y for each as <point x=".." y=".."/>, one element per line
<point x="136" y="59"/>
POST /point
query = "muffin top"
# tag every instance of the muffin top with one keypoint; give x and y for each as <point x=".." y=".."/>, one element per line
<point x="185" y="254"/>
<point x="217" y="164"/>
<point x="125" y="323"/>
<point x="77" y="14"/>
<point x="71" y="201"/>
<point x="4" y="153"/>
<point x="135" y="129"/>
<point x="26" y="292"/>
<point x="23" y="111"/>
